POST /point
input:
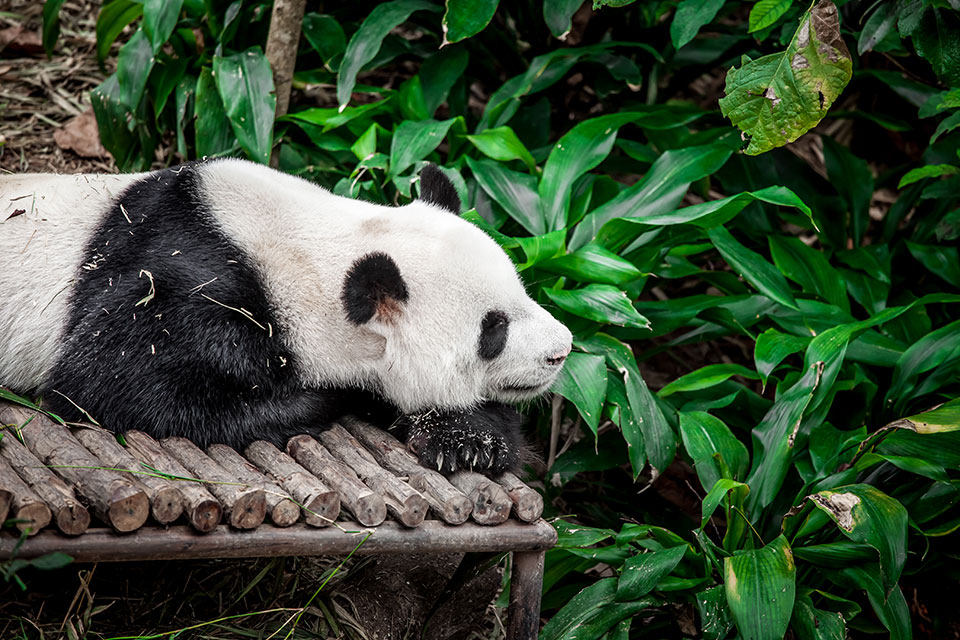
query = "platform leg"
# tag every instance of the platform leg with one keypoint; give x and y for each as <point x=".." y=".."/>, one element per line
<point x="526" y="586"/>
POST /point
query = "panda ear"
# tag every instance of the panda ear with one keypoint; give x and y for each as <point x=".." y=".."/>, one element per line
<point x="374" y="288"/>
<point x="436" y="189"/>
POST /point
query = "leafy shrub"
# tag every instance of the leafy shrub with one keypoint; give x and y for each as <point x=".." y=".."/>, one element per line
<point x="818" y="283"/>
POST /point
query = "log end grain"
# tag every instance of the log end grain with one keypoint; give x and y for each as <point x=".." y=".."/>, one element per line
<point x="322" y="510"/>
<point x="285" y="513"/>
<point x="249" y="509"/>
<point x="370" y="509"/>
<point x="167" y="505"/>
<point x="204" y="515"/>
<point x="491" y="504"/>
<point x="73" y="520"/>
<point x="129" y="508"/>
<point x="32" y="517"/>
<point x="413" y="510"/>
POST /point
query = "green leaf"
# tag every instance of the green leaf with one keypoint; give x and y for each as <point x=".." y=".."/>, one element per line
<point x="880" y="23"/>
<point x="760" y="587"/>
<point x="705" y="436"/>
<point x="51" y="24"/>
<point x="214" y="132"/>
<point x="690" y="17"/>
<point x="936" y="37"/>
<point x="413" y="141"/>
<point x="50" y="561"/>
<point x="767" y="13"/>
<point x="706" y="377"/>
<point x="112" y="116"/>
<point x="515" y="192"/>
<point x="754" y="269"/>
<point x="591" y="612"/>
<point x="943" y="419"/>
<point x="718" y="491"/>
<point x="503" y="144"/>
<point x="642" y="572"/>
<point x="660" y="190"/>
<point x="112" y="19"/>
<point x="810" y="269"/>
<point x="326" y="36"/>
<point x="601" y="303"/>
<point x="558" y="13"/>
<point x="443" y="69"/>
<point x="810" y="623"/>
<point x="466" y="18"/>
<point x="947" y="125"/>
<point x="245" y="83"/>
<point x="933" y="350"/>
<point x="159" y="20"/>
<point x="940" y="260"/>
<point x="593" y="263"/>
<point x="867" y="515"/>
<point x="583" y="381"/>
<point x="891" y="608"/>
<point x="853" y="179"/>
<point x="366" y="42"/>
<point x="715" y="622"/>
<point x="133" y="68"/>
<point x="578" y="151"/>
<point x="927" y="171"/>
<point x="772" y="347"/>
<point x="777" y="98"/>
<point x="658" y="438"/>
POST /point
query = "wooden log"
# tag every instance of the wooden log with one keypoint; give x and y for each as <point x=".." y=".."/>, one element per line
<point x="166" y="501"/>
<point x="245" y="507"/>
<point x="71" y="517"/>
<point x="27" y="507"/>
<point x="6" y="498"/>
<point x="404" y="502"/>
<point x="320" y="503"/>
<point x="117" y="501"/>
<point x="491" y="504"/>
<point x="366" y="506"/>
<point x="527" y="503"/>
<point x="447" y="502"/>
<point x="201" y="508"/>
<point x="283" y="510"/>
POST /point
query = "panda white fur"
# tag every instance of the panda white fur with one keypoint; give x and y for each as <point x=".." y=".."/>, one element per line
<point x="227" y="302"/>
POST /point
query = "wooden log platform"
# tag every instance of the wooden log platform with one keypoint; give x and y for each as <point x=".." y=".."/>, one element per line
<point x="74" y="476"/>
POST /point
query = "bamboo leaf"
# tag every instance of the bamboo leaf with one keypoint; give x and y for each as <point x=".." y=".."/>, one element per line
<point x="760" y="587"/>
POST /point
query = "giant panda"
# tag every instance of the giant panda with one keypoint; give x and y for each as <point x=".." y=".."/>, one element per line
<point x="227" y="302"/>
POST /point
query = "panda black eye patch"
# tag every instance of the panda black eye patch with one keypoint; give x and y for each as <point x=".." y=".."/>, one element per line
<point x="493" y="334"/>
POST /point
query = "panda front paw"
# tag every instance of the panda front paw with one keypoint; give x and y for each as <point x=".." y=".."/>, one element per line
<point x="486" y="440"/>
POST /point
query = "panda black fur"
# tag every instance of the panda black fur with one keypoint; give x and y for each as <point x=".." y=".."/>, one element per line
<point x="227" y="302"/>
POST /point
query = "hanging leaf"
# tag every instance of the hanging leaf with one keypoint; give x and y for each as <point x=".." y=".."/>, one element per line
<point x="691" y="15"/>
<point x="766" y="13"/>
<point x="583" y="381"/>
<point x="466" y="18"/>
<point x="777" y="98"/>
<point x="245" y="83"/>
<point x="761" y="586"/>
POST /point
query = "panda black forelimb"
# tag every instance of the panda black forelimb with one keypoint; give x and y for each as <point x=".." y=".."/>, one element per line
<point x="486" y="439"/>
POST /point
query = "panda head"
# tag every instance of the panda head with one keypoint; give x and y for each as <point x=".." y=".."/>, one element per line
<point x="446" y="303"/>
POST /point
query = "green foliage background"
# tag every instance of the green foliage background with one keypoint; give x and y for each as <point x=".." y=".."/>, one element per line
<point x="795" y="467"/>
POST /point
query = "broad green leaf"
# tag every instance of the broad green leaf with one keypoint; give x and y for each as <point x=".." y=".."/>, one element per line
<point x="935" y="33"/>
<point x="214" y="132"/>
<point x="706" y="377"/>
<point x="51" y="24"/>
<point x="890" y="606"/>
<point x="927" y="171"/>
<point x="705" y="436"/>
<point x="112" y="19"/>
<point x="466" y="18"/>
<point x="572" y="535"/>
<point x="658" y="438"/>
<point x="691" y="15"/>
<point x="50" y="561"/>
<point x="133" y="68"/>
<point x="943" y="419"/>
<point x="810" y="623"/>
<point x="715" y="621"/>
<point x="112" y="117"/>
<point x="947" y="125"/>
<point x="660" y="190"/>
<point x="593" y="263"/>
<point x="940" y="260"/>
<point x="867" y="515"/>
<point x="245" y="83"/>
<point x="880" y="23"/>
<point x="583" y="381"/>
<point x="515" y="192"/>
<point x="766" y="13"/>
<point x="752" y="266"/>
<point x="578" y="151"/>
<point x="159" y="20"/>
<point x="557" y="15"/>
<point x="777" y="98"/>
<point x="504" y="145"/>
<point x="366" y="144"/>
<point x="328" y="118"/>
<point x="326" y="36"/>
<point x="540" y="248"/>
<point x="443" y="69"/>
<point x="853" y="179"/>
<point x="601" y="303"/>
<point x="642" y="572"/>
<point x="772" y="347"/>
<point x="619" y="232"/>
<point x="630" y="427"/>
<point x="366" y="42"/>
<point x="715" y="496"/>
<point x="760" y="587"/>
<point x="413" y="141"/>
<point x="810" y="269"/>
<point x="591" y="612"/>
<point x="939" y="347"/>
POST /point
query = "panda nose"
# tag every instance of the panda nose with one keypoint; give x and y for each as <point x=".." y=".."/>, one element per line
<point x="558" y="358"/>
